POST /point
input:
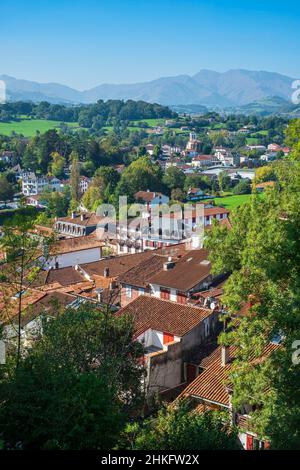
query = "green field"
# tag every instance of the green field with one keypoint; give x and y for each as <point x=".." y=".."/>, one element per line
<point x="150" y="122"/>
<point x="29" y="127"/>
<point x="231" y="202"/>
<point x="252" y="141"/>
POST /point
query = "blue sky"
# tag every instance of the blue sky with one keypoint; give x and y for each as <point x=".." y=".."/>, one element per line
<point x="83" y="43"/>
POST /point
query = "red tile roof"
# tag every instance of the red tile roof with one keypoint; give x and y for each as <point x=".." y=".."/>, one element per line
<point x="211" y="384"/>
<point x="117" y="265"/>
<point x="141" y="274"/>
<point x="70" y="245"/>
<point x="163" y="315"/>
<point x="146" y="196"/>
<point x="89" y="219"/>
<point x="188" y="271"/>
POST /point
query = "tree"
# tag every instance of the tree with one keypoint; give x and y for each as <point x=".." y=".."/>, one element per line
<point x="293" y="138"/>
<point x="243" y="187"/>
<point x="264" y="173"/>
<point x="57" y="203"/>
<point x="75" y="179"/>
<point x="262" y="253"/>
<point x="92" y="198"/>
<point x="177" y="195"/>
<point x="76" y="385"/>
<point x="157" y="152"/>
<point x="21" y="269"/>
<point x="174" y="178"/>
<point x="179" y="428"/>
<point x="6" y="189"/>
<point x="141" y="174"/>
<point x="57" y="164"/>
<point x="197" y="181"/>
<point x="106" y="179"/>
<point x="224" y="181"/>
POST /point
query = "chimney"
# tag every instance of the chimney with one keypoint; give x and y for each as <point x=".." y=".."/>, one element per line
<point x="73" y="215"/>
<point x="82" y="217"/>
<point x="106" y="272"/>
<point x="224" y="355"/>
<point x="168" y="265"/>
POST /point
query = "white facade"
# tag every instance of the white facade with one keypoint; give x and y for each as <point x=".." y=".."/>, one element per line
<point x="64" y="260"/>
<point x="84" y="184"/>
<point x="33" y="185"/>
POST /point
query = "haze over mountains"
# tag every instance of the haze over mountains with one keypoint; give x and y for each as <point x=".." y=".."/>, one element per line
<point x="233" y="88"/>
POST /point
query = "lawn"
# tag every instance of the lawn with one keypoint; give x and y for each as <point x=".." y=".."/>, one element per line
<point x="252" y="141"/>
<point x="231" y="202"/>
<point x="150" y="122"/>
<point x="29" y="127"/>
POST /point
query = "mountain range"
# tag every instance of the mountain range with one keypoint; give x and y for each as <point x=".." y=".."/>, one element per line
<point x="234" y="88"/>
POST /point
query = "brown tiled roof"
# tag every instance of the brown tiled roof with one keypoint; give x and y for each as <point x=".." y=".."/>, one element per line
<point x="64" y="276"/>
<point x="117" y="265"/>
<point x="226" y="223"/>
<point x="192" y="213"/>
<point x="140" y="274"/>
<point x="200" y="158"/>
<point x="211" y="383"/>
<point x="33" y="303"/>
<point x="146" y="196"/>
<point x="49" y="302"/>
<point x="213" y="292"/>
<point x="266" y="184"/>
<point x="188" y="271"/>
<point x="90" y="219"/>
<point x="163" y="315"/>
<point x="215" y="210"/>
<point x="75" y="244"/>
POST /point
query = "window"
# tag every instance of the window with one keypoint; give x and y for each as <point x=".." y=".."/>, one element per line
<point x="165" y="294"/>
<point x="128" y="292"/>
<point x="168" y="338"/>
<point x="181" y="298"/>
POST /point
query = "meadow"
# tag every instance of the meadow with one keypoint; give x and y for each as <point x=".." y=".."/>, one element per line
<point x="29" y="127"/>
<point x="231" y="202"/>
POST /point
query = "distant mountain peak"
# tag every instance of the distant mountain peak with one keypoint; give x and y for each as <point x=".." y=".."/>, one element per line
<point x="236" y="87"/>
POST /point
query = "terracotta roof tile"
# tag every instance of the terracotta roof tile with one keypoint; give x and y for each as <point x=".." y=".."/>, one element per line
<point x="89" y="219"/>
<point x="188" y="271"/>
<point x="146" y="196"/>
<point x="211" y="384"/>
<point x="139" y="275"/>
<point x="163" y="315"/>
<point x="117" y="265"/>
<point x="70" y="245"/>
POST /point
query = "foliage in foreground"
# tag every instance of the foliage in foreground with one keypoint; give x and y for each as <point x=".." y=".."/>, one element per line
<point x="179" y="428"/>
<point x="75" y="387"/>
<point x="262" y="254"/>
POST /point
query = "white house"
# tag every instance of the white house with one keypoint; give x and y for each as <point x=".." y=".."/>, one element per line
<point x="72" y="252"/>
<point x="200" y="161"/>
<point x="170" y="334"/>
<point x="151" y="199"/>
<point x="32" y="184"/>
